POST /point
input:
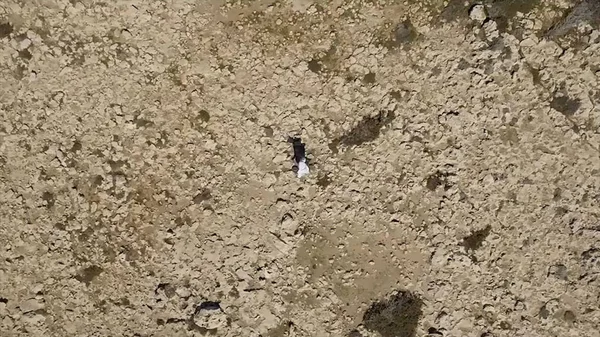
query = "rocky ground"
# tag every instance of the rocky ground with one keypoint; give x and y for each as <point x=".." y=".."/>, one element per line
<point x="146" y="185"/>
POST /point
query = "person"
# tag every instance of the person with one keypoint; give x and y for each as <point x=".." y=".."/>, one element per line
<point x="301" y="163"/>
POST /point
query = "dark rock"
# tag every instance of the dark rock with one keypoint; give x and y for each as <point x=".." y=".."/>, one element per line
<point x="397" y="316"/>
<point x="404" y="32"/>
<point x="565" y="105"/>
<point x="475" y="239"/>
<point x="88" y="274"/>
<point x="369" y="78"/>
<point x="204" y="115"/>
<point x="367" y="130"/>
<point x="585" y="11"/>
<point x="167" y="288"/>
<point x="49" y="198"/>
<point x="559" y="271"/>
<point x="5" y="29"/>
<point x="434" y="332"/>
<point x="204" y="195"/>
<point x="504" y="11"/>
<point x="208" y="306"/>
<point x="268" y="131"/>
<point x="569" y="316"/>
<point x="314" y="66"/>
<point x="355" y="333"/>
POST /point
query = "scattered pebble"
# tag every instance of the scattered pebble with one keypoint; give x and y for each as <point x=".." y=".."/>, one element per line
<point x="183" y="292"/>
<point x="478" y="13"/>
<point x="30" y="305"/>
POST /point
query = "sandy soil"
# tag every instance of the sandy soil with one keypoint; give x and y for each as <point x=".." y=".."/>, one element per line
<point x="146" y="185"/>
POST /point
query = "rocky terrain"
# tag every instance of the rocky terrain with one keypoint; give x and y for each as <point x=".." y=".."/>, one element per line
<point x="146" y="186"/>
